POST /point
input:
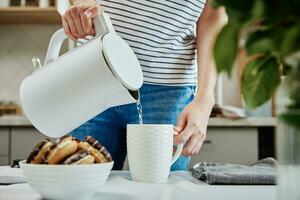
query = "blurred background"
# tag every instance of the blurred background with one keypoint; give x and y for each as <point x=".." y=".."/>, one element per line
<point x="235" y="134"/>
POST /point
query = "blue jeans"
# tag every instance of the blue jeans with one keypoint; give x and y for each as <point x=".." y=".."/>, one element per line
<point x="161" y="105"/>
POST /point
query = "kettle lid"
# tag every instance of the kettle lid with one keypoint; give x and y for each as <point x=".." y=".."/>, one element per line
<point x="122" y="61"/>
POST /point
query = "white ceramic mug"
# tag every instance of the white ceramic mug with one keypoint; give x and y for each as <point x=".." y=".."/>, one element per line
<point x="150" y="152"/>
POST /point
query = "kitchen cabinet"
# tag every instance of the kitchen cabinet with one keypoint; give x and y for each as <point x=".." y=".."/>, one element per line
<point x="4" y="160"/>
<point x="236" y="141"/>
<point x="23" y="139"/>
<point x="4" y="141"/>
<point x="231" y="145"/>
<point x="4" y="145"/>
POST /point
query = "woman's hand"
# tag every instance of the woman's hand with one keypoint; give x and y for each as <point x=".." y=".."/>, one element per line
<point x="77" y="20"/>
<point x="192" y="124"/>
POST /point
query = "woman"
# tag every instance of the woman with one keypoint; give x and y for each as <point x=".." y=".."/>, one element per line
<point x="161" y="33"/>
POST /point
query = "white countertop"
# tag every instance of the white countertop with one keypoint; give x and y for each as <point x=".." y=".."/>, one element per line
<point x="213" y="122"/>
<point x="181" y="185"/>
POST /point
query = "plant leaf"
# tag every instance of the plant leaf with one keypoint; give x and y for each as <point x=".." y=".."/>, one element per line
<point x="280" y="10"/>
<point x="214" y="4"/>
<point x="226" y="46"/>
<point x="260" y="41"/>
<point x="258" y="10"/>
<point x="240" y="10"/>
<point x="291" y="40"/>
<point x="237" y="5"/>
<point x="260" y="80"/>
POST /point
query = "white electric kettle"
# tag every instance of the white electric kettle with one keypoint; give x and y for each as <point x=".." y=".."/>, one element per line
<point x="70" y="89"/>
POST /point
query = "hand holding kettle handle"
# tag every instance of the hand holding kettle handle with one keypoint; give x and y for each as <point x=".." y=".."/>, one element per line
<point x="102" y="26"/>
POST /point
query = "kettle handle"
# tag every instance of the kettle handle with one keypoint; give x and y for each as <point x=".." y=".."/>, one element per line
<point x="54" y="45"/>
<point x="102" y="26"/>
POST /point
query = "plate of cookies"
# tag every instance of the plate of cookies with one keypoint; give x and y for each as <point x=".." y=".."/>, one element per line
<point x="67" y="168"/>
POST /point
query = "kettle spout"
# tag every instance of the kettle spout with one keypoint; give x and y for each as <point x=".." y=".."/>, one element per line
<point x="135" y="94"/>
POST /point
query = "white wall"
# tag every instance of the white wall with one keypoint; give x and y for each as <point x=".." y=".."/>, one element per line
<point x="18" y="44"/>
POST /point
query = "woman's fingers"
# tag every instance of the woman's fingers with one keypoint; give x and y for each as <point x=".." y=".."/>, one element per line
<point x="67" y="28"/>
<point x="75" y="13"/>
<point x="87" y="16"/>
<point x="87" y="24"/>
<point x="71" y="24"/>
<point x="188" y="130"/>
<point x="77" y="21"/>
<point x="191" y="145"/>
<point x="197" y="149"/>
<point x="181" y="123"/>
<point x="93" y="11"/>
<point x="199" y="145"/>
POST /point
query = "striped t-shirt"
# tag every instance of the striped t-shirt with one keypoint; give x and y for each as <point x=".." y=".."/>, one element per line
<point x="162" y="35"/>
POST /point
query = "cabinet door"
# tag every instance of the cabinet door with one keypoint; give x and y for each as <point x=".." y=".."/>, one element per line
<point x="229" y="145"/>
<point x="4" y="160"/>
<point x="23" y="140"/>
<point x="4" y="141"/>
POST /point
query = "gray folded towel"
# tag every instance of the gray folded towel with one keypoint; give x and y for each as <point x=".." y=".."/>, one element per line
<point x="262" y="172"/>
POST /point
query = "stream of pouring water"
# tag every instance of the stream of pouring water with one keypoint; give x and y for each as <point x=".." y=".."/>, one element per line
<point x="139" y="109"/>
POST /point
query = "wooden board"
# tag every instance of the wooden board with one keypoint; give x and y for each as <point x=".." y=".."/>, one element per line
<point x="29" y="15"/>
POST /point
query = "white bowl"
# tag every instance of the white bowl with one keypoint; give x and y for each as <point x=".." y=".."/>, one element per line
<point x="66" y="181"/>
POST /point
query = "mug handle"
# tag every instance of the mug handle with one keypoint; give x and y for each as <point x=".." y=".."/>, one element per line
<point x="102" y="26"/>
<point x="177" y="153"/>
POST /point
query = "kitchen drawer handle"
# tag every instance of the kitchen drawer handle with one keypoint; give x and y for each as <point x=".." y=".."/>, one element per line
<point x="207" y="142"/>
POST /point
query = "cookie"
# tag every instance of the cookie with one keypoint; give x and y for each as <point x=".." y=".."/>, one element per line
<point x="37" y="156"/>
<point x="80" y="157"/>
<point x="99" y="158"/>
<point x="61" y="149"/>
<point x="70" y="151"/>
<point x="97" y="145"/>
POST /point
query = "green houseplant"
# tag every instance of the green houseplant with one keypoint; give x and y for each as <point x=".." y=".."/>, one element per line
<point x="269" y="32"/>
